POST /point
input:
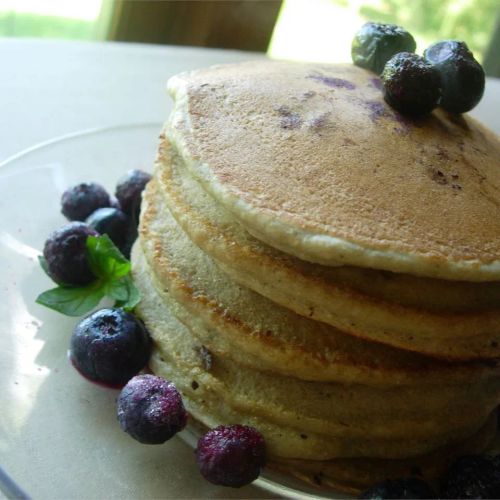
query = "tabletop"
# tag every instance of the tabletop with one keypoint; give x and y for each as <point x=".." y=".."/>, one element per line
<point x="54" y="89"/>
<point x="51" y="88"/>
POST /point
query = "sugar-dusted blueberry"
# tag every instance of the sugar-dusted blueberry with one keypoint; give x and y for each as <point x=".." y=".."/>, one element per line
<point x="462" y="77"/>
<point x="411" y="84"/>
<point x="110" y="346"/>
<point x="408" y="487"/>
<point x="231" y="455"/>
<point x="66" y="256"/>
<point x="150" y="409"/>
<point x="113" y="222"/>
<point x="79" y="201"/>
<point x="129" y="192"/>
<point x="472" y="476"/>
<point x="375" y="43"/>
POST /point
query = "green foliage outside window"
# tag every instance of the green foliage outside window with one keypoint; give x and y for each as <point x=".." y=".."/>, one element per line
<point x="469" y="20"/>
<point x="33" y="25"/>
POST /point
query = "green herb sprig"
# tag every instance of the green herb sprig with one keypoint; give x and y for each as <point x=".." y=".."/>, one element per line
<point x="112" y="271"/>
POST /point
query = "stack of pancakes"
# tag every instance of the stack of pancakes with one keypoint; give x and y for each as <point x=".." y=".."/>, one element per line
<point x="317" y="266"/>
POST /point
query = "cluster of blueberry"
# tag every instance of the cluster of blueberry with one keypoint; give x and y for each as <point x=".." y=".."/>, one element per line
<point x="92" y="211"/>
<point x="447" y="75"/>
<point x="111" y="346"/>
<point x="472" y="476"/>
<point x="151" y="410"/>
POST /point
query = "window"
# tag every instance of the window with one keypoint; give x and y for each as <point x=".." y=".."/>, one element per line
<point x="322" y="30"/>
<point x="73" y="19"/>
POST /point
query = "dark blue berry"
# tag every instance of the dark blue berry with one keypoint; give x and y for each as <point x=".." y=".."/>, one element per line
<point x="66" y="256"/>
<point x="231" y="455"/>
<point x="411" y="84"/>
<point x="79" y="201"/>
<point x="129" y="192"/>
<point x="375" y="43"/>
<point x="409" y="487"/>
<point x="472" y="476"/>
<point x="150" y="409"/>
<point x="462" y="77"/>
<point x="110" y="346"/>
<point x="113" y="222"/>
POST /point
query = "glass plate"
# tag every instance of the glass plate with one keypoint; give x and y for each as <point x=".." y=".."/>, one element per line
<point x="58" y="433"/>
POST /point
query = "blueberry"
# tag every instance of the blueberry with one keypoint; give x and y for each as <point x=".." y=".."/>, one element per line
<point x="110" y="346"/>
<point x="409" y="487"/>
<point x="113" y="222"/>
<point x="66" y="256"/>
<point x="231" y="455"/>
<point x="150" y="409"/>
<point x="472" y="476"/>
<point x="462" y="77"/>
<point x="411" y="84"/>
<point x="129" y="192"/>
<point x="79" y="201"/>
<point x="375" y="43"/>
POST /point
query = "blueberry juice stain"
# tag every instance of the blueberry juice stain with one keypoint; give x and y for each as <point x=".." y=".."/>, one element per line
<point x="106" y="385"/>
<point x="339" y="83"/>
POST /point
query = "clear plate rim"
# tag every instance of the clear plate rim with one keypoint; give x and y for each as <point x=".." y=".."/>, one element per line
<point x="74" y="135"/>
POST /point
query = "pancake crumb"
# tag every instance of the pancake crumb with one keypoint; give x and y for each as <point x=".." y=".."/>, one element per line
<point x="205" y="356"/>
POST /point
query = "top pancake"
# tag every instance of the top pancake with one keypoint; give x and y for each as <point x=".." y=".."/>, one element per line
<point x="311" y="160"/>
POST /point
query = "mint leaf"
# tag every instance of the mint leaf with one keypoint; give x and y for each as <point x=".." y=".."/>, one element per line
<point x="125" y="292"/>
<point x="117" y="289"/>
<point x="72" y="301"/>
<point x="105" y="260"/>
<point x="112" y="270"/>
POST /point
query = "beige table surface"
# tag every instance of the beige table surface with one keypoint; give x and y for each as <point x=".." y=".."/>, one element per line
<point x="50" y="89"/>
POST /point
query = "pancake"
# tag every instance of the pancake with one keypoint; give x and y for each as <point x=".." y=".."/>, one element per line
<point x="316" y="266"/>
<point x="215" y="391"/>
<point x="357" y="474"/>
<point x="271" y="337"/>
<point x="331" y="416"/>
<point x="312" y="161"/>
<point x="219" y="234"/>
<point x="448" y="319"/>
<point x="404" y="394"/>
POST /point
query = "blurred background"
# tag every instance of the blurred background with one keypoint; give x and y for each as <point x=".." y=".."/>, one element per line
<point x="314" y="30"/>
